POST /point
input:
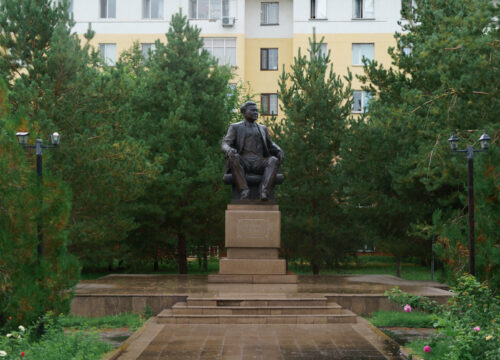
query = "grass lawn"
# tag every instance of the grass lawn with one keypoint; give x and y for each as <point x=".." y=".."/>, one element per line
<point x="412" y="319"/>
<point x="367" y="264"/>
<point x="130" y="321"/>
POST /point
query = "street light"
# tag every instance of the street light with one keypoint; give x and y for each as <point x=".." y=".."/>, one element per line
<point x="484" y="140"/>
<point x="22" y="138"/>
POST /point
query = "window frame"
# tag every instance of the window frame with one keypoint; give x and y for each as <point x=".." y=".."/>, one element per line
<point x="266" y="50"/>
<point x="150" y="17"/>
<point x="365" y="100"/>
<point x="225" y="38"/>
<point x="361" y="60"/>
<point x="106" y="16"/>
<point x="104" y="56"/>
<point x="225" y="10"/>
<point x="362" y="11"/>
<point x="152" y="48"/>
<point x="262" y="11"/>
<point x="314" y="10"/>
<point x="268" y="110"/>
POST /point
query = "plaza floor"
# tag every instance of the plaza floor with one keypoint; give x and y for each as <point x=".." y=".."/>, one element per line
<point x="232" y="342"/>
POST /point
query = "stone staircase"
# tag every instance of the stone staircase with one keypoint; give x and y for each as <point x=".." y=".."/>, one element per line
<point x="256" y="310"/>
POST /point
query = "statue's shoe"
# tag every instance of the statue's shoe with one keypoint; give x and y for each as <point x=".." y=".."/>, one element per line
<point x="244" y="194"/>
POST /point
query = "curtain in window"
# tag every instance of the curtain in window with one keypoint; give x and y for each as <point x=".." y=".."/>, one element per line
<point x="362" y="50"/>
<point x="146" y="5"/>
<point x="112" y="9"/>
<point x="108" y="53"/>
<point x="264" y="64"/>
<point x="264" y="103"/>
<point x="215" y="9"/>
<point x="367" y="51"/>
<point x="203" y="6"/>
<point x="273" y="104"/>
<point x="320" y="9"/>
<point x="358" y="5"/>
<point x="368" y="9"/>
<point x="193" y="9"/>
<point x="357" y="98"/>
<point x="269" y="13"/>
<point x="231" y="52"/>
<point x="273" y="59"/>
<point x="366" y="100"/>
<point x="156" y="9"/>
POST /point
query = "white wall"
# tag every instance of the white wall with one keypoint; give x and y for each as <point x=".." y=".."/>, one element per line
<point x="339" y="18"/>
<point x="253" y="28"/>
<point x="129" y="18"/>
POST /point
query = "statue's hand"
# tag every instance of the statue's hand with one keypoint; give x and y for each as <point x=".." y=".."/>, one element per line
<point x="231" y="152"/>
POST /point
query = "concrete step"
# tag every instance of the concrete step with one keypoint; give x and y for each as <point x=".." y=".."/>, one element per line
<point x="168" y="317"/>
<point x="260" y="302"/>
<point x="182" y="308"/>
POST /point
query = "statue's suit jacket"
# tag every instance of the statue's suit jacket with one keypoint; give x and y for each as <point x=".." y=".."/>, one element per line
<point x="235" y="139"/>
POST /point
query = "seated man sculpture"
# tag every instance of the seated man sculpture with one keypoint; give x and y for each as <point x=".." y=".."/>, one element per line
<point x="249" y="149"/>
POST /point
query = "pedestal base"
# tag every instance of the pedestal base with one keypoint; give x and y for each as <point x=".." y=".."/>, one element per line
<point x="252" y="279"/>
<point x="252" y="266"/>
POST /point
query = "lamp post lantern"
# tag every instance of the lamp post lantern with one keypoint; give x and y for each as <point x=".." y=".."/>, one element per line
<point x="22" y="138"/>
<point x="485" y="143"/>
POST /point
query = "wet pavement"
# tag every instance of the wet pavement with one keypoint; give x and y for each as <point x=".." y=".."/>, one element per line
<point x="123" y="284"/>
<point x="299" y="341"/>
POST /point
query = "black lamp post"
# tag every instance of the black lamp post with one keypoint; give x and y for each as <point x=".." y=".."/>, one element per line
<point x="22" y="138"/>
<point x="484" y="140"/>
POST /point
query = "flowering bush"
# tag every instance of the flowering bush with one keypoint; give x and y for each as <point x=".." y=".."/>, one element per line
<point x="469" y="324"/>
<point x="54" y="344"/>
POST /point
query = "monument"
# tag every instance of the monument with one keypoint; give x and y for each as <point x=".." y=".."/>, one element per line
<point x="253" y="219"/>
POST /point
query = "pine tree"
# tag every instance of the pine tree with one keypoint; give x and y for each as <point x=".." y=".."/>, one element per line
<point x="316" y="104"/>
<point x="187" y="106"/>
<point x="61" y="86"/>
<point x="446" y="80"/>
<point x="30" y="285"/>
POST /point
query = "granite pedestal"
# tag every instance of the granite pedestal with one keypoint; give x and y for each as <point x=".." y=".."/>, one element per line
<point x="253" y="239"/>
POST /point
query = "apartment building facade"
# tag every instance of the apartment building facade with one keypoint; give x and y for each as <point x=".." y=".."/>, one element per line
<point x="256" y="37"/>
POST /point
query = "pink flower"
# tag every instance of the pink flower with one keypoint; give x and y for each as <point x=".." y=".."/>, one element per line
<point x="427" y="348"/>
<point x="407" y="308"/>
<point x="477" y="328"/>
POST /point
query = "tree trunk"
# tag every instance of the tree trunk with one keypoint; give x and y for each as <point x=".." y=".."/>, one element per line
<point x="181" y="253"/>
<point x="315" y="267"/>
<point x="155" y="265"/>
<point x="205" y="256"/>
<point x="398" y="271"/>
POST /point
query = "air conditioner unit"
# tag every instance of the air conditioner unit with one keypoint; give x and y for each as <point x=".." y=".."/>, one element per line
<point x="227" y="21"/>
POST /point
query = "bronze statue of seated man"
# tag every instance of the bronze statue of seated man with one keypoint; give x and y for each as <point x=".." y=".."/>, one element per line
<point x="249" y="149"/>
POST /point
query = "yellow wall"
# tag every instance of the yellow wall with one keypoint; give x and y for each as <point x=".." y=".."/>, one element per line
<point x="341" y="50"/>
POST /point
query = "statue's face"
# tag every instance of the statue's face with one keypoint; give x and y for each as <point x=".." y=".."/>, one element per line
<point x="251" y="113"/>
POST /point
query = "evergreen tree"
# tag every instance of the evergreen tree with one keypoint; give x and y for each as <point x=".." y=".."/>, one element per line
<point x="399" y="162"/>
<point x="62" y="87"/>
<point x="316" y="105"/>
<point x="30" y="285"/>
<point x="187" y="106"/>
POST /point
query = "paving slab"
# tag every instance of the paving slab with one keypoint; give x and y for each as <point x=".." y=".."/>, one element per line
<point x="284" y="341"/>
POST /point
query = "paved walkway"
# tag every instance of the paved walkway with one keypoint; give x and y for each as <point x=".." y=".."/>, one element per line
<point x="232" y="342"/>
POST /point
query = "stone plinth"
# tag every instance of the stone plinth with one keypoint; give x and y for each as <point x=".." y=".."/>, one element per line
<point x="253" y="239"/>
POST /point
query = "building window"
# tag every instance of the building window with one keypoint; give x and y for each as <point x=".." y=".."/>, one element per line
<point x="323" y="50"/>
<point x="318" y="9"/>
<point x="269" y="59"/>
<point x="210" y="9"/>
<point x="269" y="13"/>
<point x="223" y="49"/>
<point x="360" y="51"/>
<point x="406" y="50"/>
<point x="108" y="53"/>
<point x="152" y="9"/>
<point x="147" y="49"/>
<point x="269" y="104"/>
<point x="363" y="9"/>
<point x="108" y="9"/>
<point x="361" y="100"/>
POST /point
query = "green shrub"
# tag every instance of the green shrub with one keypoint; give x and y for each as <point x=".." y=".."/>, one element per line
<point x="131" y="321"/>
<point x="54" y="344"/>
<point x="468" y="324"/>
<point x="413" y="319"/>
